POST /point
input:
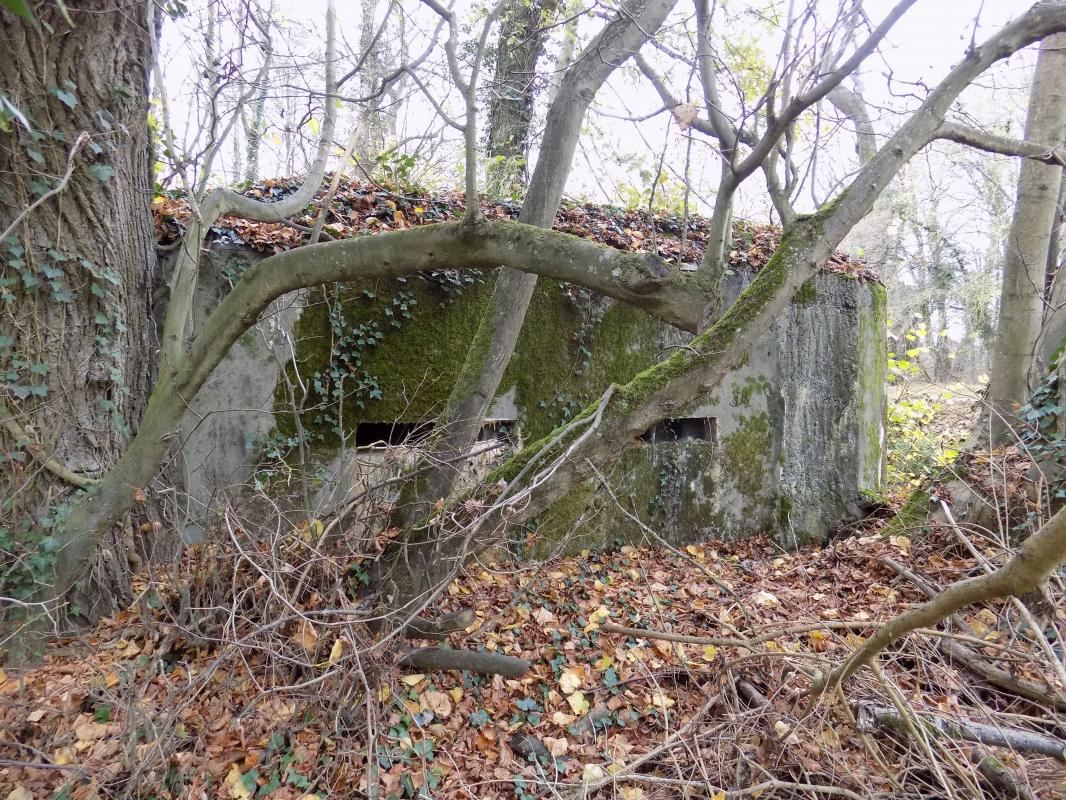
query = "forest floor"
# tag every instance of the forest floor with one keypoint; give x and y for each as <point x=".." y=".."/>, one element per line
<point x="139" y="708"/>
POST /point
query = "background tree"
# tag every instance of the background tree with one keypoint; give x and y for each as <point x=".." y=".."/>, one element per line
<point x="1021" y="309"/>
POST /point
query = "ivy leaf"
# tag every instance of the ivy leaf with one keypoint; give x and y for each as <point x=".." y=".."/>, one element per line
<point x="102" y="172"/>
<point x="20" y="7"/>
<point x="66" y="98"/>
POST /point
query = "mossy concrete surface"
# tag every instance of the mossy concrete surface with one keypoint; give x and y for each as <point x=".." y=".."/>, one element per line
<point x="791" y="442"/>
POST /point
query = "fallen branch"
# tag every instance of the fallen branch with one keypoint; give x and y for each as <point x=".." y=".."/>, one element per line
<point x="439" y="628"/>
<point x="630" y="770"/>
<point x="872" y="715"/>
<point x="1030" y="690"/>
<point x="720" y="641"/>
<point x="680" y="638"/>
<point x="999" y="777"/>
<point x="1026" y="570"/>
<point x="439" y="660"/>
<point x="976" y="663"/>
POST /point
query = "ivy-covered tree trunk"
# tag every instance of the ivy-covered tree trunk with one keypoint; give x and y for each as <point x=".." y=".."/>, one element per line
<point x="76" y="273"/>
<point x="513" y="91"/>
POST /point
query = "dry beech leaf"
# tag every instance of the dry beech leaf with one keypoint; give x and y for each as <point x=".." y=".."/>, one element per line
<point x="557" y="747"/>
<point x="306" y="636"/>
<point x="437" y="702"/>
<point x="571" y="679"/>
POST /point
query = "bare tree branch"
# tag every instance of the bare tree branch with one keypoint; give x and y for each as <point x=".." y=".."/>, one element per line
<point x="1003" y="145"/>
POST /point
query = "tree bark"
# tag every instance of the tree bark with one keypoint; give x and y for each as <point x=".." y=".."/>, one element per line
<point x="1022" y="293"/>
<point x="78" y="271"/>
<point x="514" y="89"/>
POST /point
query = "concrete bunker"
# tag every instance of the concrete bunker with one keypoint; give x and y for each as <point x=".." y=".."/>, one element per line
<point x="789" y="444"/>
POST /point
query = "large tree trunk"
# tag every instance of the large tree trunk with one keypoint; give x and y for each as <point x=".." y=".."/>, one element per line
<point x="1022" y="296"/>
<point x="78" y="270"/>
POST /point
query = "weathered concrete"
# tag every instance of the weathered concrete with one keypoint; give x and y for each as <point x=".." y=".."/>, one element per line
<point x="221" y="437"/>
<point x="790" y="444"/>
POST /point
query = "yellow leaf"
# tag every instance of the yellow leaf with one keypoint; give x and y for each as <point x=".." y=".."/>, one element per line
<point x="661" y="701"/>
<point x="631" y="793"/>
<point x="317" y="527"/>
<point x="710" y="652"/>
<point x="719" y="796"/>
<point x="578" y="703"/>
<point x="456" y="693"/>
<point x="413" y="680"/>
<point x="987" y="616"/>
<point x="63" y="756"/>
<point x="571" y="679"/>
<point x="592" y="773"/>
<point x="384" y="693"/>
<point x="600" y="615"/>
<point x="20" y="793"/>
<point x="336" y="652"/>
<point x="603" y="663"/>
<point x="695" y="552"/>
<point x="234" y="785"/>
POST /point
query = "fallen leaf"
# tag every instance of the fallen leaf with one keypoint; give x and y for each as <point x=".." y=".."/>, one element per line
<point x="336" y="652"/>
<point x="765" y="599"/>
<point x="592" y="773"/>
<point x="557" y="747"/>
<point x="306" y="636"/>
<point x="661" y="701"/>
<point x="437" y="702"/>
<point x="571" y="679"/>
<point x="578" y="703"/>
